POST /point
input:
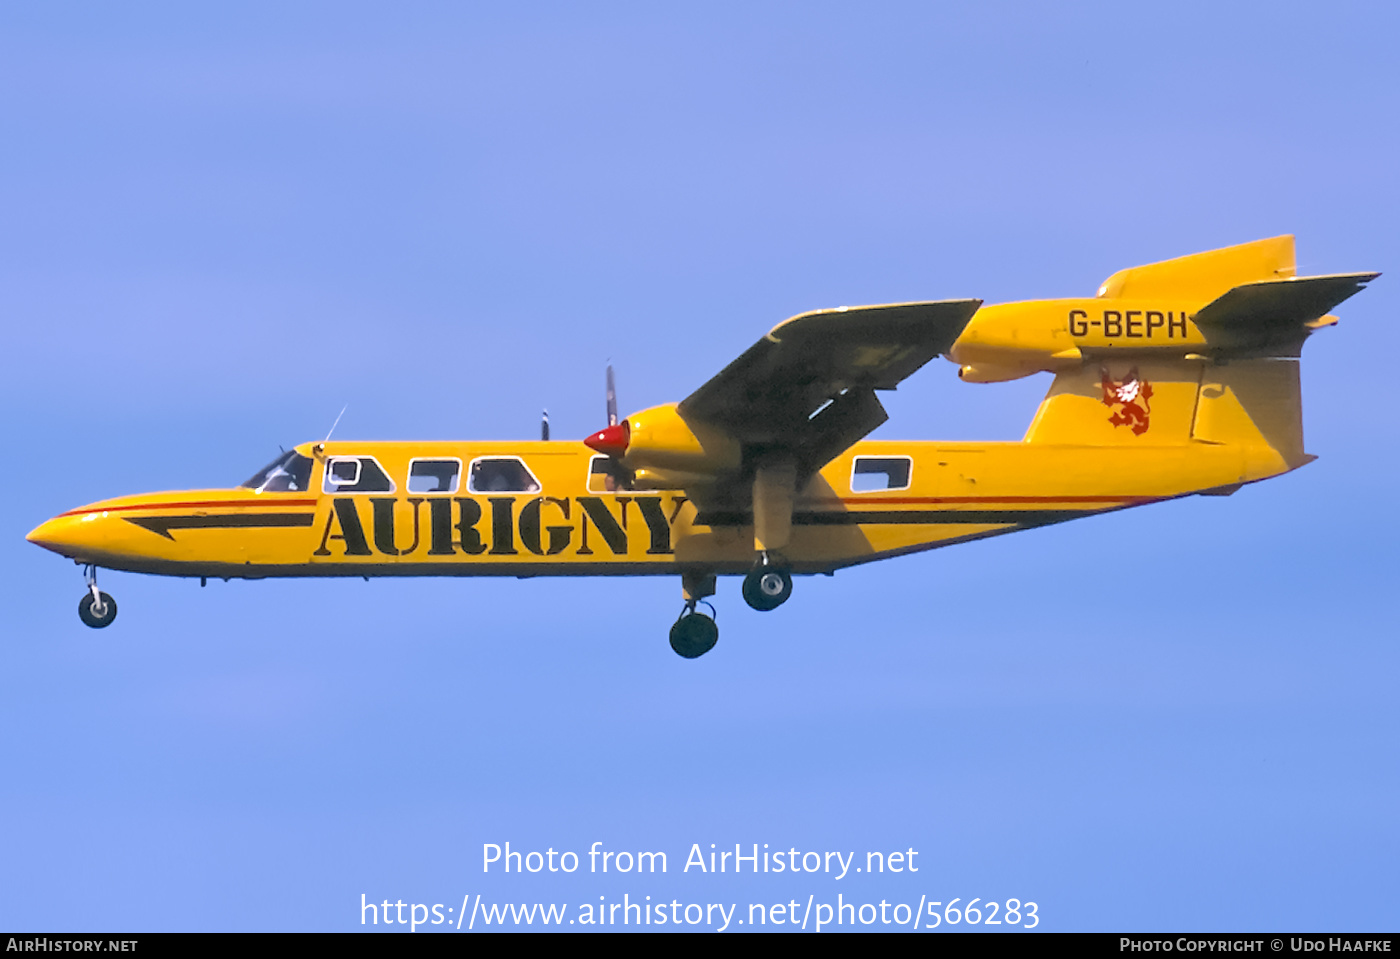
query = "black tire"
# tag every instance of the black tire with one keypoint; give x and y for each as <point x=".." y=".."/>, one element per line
<point x="86" y="613"/>
<point x="694" y="635"/>
<point x="767" y="587"/>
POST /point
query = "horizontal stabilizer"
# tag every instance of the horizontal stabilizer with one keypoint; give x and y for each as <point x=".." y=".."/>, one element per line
<point x="1275" y="314"/>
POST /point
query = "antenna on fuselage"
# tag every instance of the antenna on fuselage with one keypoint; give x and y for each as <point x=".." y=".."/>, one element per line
<point x="322" y="445"/>
<point x="336" y="423"/>
<point x="544" y="427"/>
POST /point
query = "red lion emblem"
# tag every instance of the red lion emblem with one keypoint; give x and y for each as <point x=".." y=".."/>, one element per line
<point x="1127" y="394"/>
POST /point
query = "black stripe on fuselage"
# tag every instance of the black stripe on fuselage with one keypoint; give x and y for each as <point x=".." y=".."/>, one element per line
<point x="905" y="517"/>
<point x="162" y="525"/>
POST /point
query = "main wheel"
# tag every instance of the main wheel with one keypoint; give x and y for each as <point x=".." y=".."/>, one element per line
<point x="766" y="587"/>
<point x="96" y="614"/>
<point x="694" y="635"/>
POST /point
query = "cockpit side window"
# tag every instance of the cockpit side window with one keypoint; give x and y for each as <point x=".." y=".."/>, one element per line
<point x="501" y="475"/>
<point x="434" y="476"/>
<point x="356" y="474"/>
<point x="290" y="472"/>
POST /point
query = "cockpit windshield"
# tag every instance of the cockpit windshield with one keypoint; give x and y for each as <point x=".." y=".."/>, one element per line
<point x="290" y="472"/>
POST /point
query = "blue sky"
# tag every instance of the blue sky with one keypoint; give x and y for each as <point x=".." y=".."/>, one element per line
<point x="218" y="228"/>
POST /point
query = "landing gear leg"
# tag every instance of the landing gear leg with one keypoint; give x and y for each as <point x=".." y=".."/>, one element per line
<point x="767" y="586"/>
<point x="96" y="608"/>
<point x="695" y="634"/>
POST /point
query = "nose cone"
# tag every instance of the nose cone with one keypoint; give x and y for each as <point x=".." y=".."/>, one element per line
<point x="62" y="534"/>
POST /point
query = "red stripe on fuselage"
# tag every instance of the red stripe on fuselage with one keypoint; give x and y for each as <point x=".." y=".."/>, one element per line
<point x="231" y="504"/>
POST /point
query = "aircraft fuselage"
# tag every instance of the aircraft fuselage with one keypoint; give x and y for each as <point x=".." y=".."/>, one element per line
<point x="936" y="494"/>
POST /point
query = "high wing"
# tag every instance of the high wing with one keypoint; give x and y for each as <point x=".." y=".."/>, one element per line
<point x="807" y="389"/>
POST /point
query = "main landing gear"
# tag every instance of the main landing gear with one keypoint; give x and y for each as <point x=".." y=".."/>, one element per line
<point x="767" y="586"/>
<point x="96" y="608"/>
<point x="694" y="634"/>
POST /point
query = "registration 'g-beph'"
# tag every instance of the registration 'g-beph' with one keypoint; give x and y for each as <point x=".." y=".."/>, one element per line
<point x="1177" y="378"/>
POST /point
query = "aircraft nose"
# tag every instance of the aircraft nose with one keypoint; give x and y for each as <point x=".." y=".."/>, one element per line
<point x="60" y="534"/>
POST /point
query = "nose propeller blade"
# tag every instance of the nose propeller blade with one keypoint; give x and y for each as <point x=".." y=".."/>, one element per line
<point x="613" y="439"/>
<point x="612" y="398"/>
<point x="610" y="441"/>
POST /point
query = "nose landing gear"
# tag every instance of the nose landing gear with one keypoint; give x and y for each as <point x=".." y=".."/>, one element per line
<point x="96" y="608"/>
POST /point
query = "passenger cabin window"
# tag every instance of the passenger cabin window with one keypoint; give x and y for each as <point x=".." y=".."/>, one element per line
<point x="871" y="474"/>
<point x="606" y="475"/>
<point x="434" y="476"/>
<point x="290" y="472"/>
<point x="501" y="475"/>
<point x="356" y="474"/>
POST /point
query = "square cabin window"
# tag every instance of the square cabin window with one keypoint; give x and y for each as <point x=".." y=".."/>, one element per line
<point x="434" y="476"/>
<point x="873" y="474"/>
<point x="501" y="475"/>
<point x="343" y="472"/>
<point x="356" y="474"/>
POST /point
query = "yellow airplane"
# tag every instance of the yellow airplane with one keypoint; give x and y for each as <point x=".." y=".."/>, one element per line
<point x="1177" y="378"/>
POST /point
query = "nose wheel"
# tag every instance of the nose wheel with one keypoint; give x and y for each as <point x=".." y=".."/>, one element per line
<point x="96" y="608"/>
<point x="694" y="634"/>
<point x="767" y="586"/>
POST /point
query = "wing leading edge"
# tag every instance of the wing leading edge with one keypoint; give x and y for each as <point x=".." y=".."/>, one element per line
<point x="807" y="389"/>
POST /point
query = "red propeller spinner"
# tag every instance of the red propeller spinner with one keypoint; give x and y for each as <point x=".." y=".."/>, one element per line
<point x="612" y="440"/>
